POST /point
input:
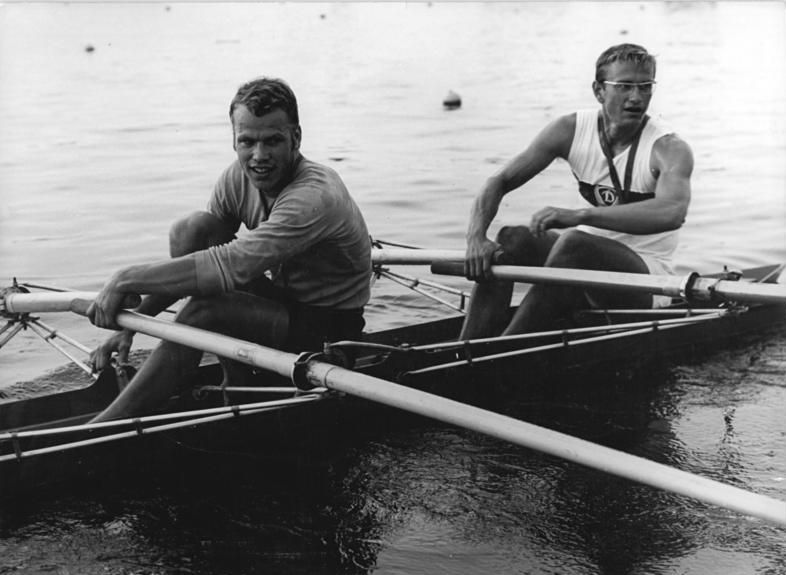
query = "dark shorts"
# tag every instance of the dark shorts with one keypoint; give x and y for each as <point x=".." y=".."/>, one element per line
<point x="311" y="326"/>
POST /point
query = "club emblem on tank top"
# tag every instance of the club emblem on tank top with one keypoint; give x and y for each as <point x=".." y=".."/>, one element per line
<point x="604" y="195"/>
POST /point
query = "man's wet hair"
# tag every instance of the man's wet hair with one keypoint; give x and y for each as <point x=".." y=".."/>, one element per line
<point x="264" y="95"/>
<point x="623" y="53"/>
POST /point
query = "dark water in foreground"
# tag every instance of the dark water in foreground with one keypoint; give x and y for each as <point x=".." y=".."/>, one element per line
<point x="412" y="496"/>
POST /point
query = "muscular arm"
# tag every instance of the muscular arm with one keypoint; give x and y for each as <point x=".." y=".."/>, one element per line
<point x="167" y="281"/>
<point x="552" y="142"/>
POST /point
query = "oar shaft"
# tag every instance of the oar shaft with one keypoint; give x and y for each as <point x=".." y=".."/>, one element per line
<point x="502" y="427"/>
<point x="452" y="412"/>
<point x="451" y="262"/>
<point x="656" y="284"/>
<point x="75" y="301"/>
<point x="548" y="441"/>
<point x="707" y="288"/>
<point x="45" y="301"/>
<point x="412" y="256"/>
<point x="691" y="286"/>
<point x="274" y="360"/>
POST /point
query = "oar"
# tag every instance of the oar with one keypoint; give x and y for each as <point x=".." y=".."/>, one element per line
<point x="414" y="256"/>
<point x="308" y="373"/>
<point x="75" y="301"/>
<point x="692" y="286"/>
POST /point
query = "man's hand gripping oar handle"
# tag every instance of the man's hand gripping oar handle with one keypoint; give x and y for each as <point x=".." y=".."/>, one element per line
<point x="80" y="305"/>
<point x="457" y="267"/>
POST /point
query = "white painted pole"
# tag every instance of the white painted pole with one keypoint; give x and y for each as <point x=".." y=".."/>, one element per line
<point x="703" y="288"/>
<point x="502" y="427"/>
<point x="20" y="302"/>
<point x="412" y="256"/>
<point x="548" y="441"/>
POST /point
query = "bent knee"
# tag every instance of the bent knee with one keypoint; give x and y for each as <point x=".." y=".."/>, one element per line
<point x="516" y="243"/>
<point x="577" y="249"/>
<point x="199" y="312"/>
<point x="197" y="231"/>
<point x="572" y="239"/>
<point x="572" y="249"/>
<point x="522" y="248"/>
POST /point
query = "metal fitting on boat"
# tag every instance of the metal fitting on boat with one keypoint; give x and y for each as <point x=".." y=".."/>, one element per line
<point x="300" y="370"/>
<point x="15" y="288"/>
<point x="686" y="287"/>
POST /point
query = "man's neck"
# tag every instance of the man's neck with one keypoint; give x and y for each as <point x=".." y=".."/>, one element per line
<point x="620" y="136"/>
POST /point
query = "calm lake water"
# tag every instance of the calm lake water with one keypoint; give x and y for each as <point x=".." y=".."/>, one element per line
<point x="114" y="122"/>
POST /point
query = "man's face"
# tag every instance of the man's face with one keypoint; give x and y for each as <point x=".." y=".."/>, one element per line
<point x="267" y="147"/>
<point x="625" y="101"/>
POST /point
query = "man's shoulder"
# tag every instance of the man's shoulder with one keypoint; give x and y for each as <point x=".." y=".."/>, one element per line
<point x="319" y="179"/>
<point x="311" y="172"/>
<point x="671" y="143"/>
<point x="233" y="173"/>
<point x="558" y="135"/>
<point x="232" y="178"/>
<point x="566" y="122"/>
<point x="670" y="152"/>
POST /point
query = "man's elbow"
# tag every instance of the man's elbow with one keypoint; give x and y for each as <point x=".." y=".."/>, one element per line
<point x="675" y="218"/>
<point x="496" y="185"/>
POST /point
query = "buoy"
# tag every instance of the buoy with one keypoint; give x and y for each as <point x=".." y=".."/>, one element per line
<point x="452" y="100"/>
<point x="89" y="48"/>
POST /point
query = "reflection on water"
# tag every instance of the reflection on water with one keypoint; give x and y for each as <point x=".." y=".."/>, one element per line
<point x="101" y="150"/>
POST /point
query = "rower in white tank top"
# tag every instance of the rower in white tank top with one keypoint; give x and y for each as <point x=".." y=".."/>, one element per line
<point x="591" y="169"/>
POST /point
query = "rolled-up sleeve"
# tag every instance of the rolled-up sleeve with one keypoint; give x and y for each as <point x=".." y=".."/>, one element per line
<point x="211" y="276"/>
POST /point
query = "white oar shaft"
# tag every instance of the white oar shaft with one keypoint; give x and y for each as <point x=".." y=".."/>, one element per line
<point x="412" y="256"/>
<point x="45" y="302"/>
<point x="548" y="441"/>
<point x="449" y="411"/>
<point x="691" y="286"/>
<point x="674" y="286"/>
<point x="656" y="284"/>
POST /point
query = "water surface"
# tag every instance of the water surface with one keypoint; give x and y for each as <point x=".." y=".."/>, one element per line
<point x="101" y="150"/>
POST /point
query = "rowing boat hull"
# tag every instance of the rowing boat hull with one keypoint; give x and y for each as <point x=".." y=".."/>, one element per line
<point x="278" y="433"/>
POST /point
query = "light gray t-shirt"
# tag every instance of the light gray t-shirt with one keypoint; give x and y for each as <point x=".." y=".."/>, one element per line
<point x="311" y="238"/>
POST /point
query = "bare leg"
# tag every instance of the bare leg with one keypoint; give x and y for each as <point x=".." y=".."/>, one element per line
<point x="543" y="306"/>
<point x="237" y="314"/>
<point x="488" y="312"/>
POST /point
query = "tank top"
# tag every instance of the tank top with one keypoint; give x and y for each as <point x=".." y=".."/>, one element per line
<point x="591" y="170"/>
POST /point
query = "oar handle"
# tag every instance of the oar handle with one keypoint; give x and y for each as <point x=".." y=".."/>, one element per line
<point x="448" y="268"/>
<point x="79" y="305"/>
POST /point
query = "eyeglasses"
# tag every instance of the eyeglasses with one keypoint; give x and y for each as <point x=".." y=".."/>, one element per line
<point x="627" y="87"/>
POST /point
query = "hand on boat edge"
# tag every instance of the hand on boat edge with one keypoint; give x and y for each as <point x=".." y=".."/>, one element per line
<point x="119" y="342"/>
